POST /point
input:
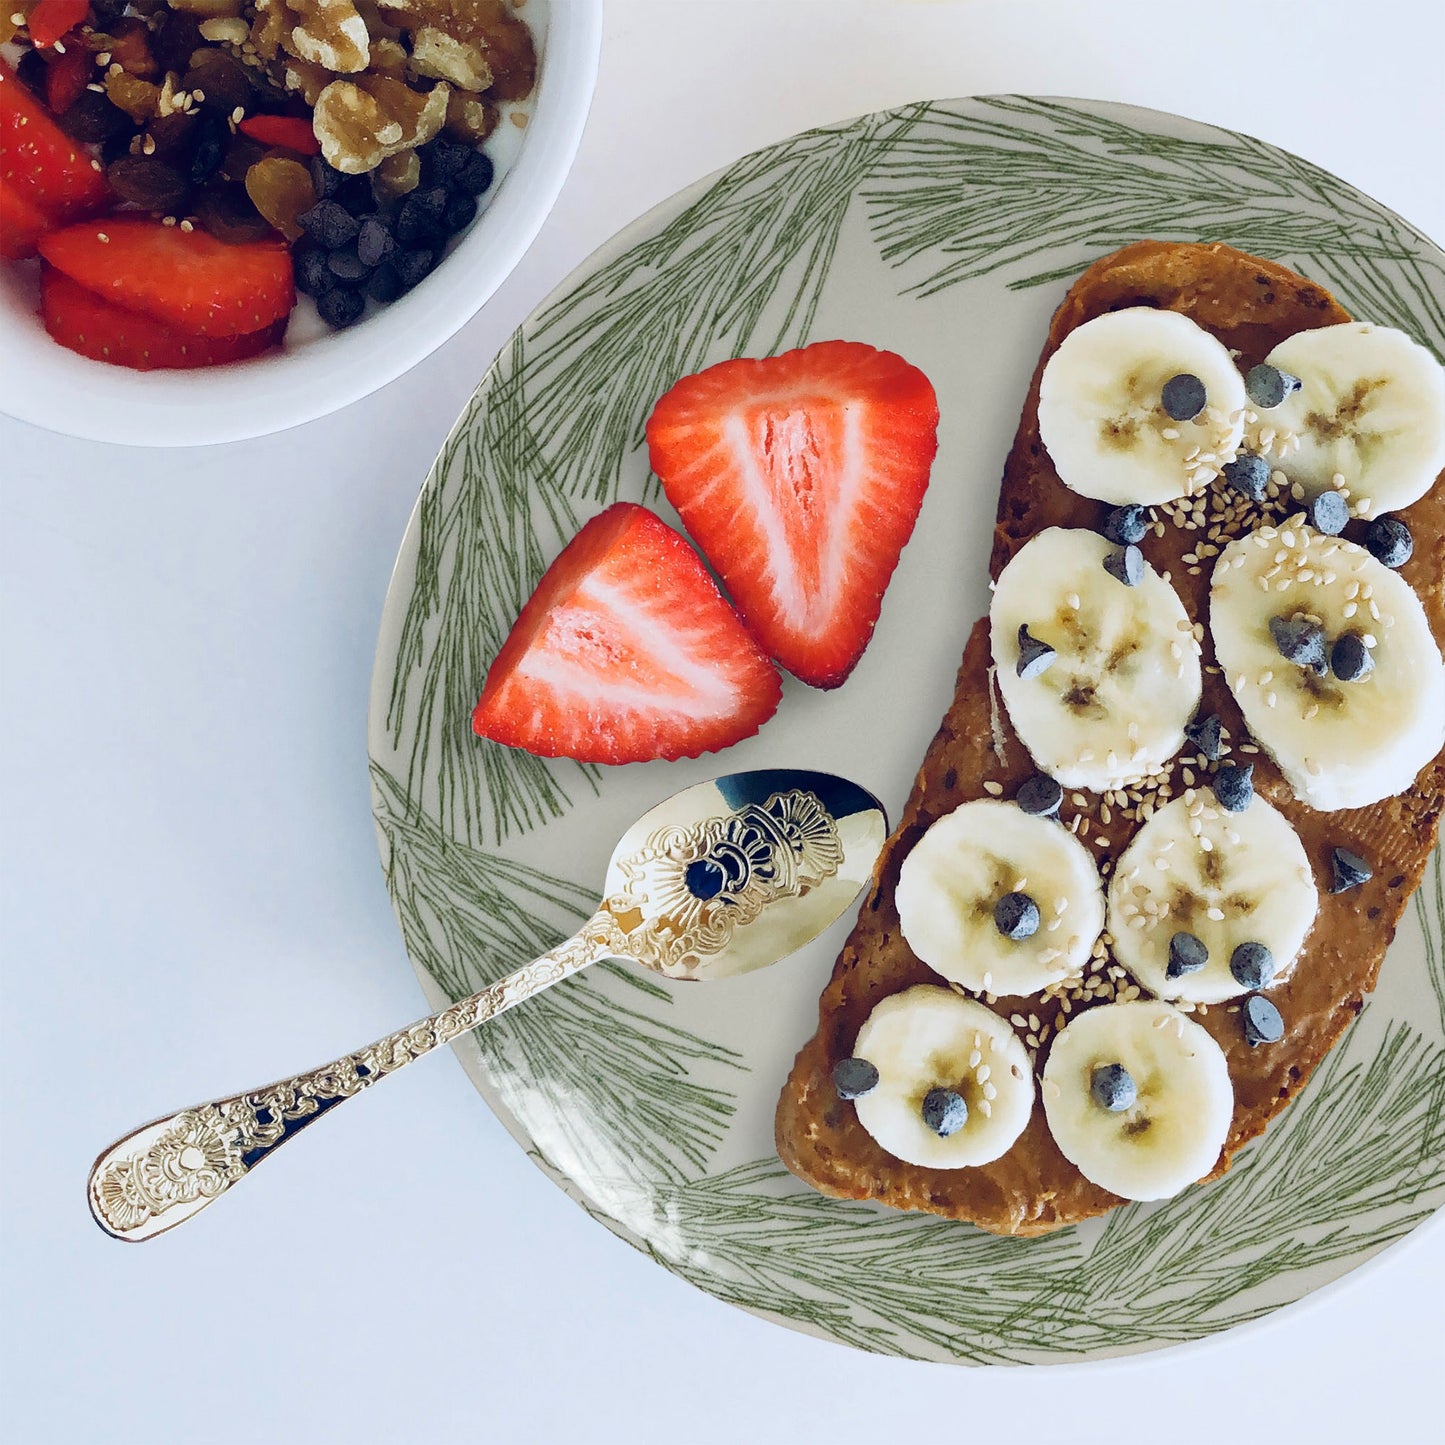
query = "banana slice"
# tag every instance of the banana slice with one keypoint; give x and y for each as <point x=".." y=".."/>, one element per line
<point x="1157" y="1129"/>
<point x="1222" y="879"/>
<point x="1339" y="744"/>
<point x="928" y="1038"/>
<point x="952" y="899"/>
<point x="1102" y="414"/>
<point x="1111" y="704"/>
<point x="1371" y="411"/>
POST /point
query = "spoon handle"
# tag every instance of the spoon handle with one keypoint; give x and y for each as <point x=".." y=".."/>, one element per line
<point x="160" y="1175"/>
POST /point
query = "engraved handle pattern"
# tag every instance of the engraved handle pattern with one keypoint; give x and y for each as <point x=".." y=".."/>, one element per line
<point x="168" y="1170"/>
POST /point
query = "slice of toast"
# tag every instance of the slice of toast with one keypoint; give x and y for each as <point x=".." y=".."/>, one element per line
<point x="1250" y="305"/>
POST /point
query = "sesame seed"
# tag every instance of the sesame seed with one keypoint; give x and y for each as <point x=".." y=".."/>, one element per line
<point x="996" y="789"/>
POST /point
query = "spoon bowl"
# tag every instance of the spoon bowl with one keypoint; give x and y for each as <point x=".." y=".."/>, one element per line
<point x="720" y="879"/>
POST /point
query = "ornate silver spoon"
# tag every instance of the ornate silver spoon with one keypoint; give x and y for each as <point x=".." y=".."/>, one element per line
<point x="722" y="878"/>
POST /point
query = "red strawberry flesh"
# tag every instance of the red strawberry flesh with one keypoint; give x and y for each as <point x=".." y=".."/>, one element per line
<point x="40" y="162"/>
<point x="626" y="652"/>
<point x="800" y="477"/>
<point x="83" y="322"/>
<point x="185" y="278"/>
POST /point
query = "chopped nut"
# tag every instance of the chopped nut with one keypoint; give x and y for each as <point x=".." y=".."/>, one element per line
<point x="307" y="80"/>
<point x="331" y="33"/>
<point x="388" y="57"/>
<point x="360" y="123"/>
<point x="399" y="174"/>
<point x="444" y="57"/>
<point x="470" y="118"/>
<point x="226" y="30"/>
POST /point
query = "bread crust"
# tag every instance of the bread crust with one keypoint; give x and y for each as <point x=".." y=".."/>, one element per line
<point x="1250" y="305"/>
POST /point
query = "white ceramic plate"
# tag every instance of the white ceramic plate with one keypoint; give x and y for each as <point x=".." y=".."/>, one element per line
<point x="319" y="370"/>
<point x="947" y="232"/>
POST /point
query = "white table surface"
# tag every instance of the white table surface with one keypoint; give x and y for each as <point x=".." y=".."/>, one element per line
<point x="192" y="902"/>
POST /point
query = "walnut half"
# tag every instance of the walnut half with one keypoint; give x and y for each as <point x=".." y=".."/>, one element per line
<point x="359" y="123"/>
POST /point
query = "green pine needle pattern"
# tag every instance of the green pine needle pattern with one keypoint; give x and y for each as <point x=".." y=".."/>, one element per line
<point x="1031" y="191"/>
<point x="607" y="1085"/>
<point x="1357" y="1163"/>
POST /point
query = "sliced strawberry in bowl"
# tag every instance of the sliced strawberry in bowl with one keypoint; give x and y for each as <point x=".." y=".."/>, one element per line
<point x="186" y="278"/>
<point x="40" y="162"/>
<point x="21" y="223"/>
<point x="626" y="652"/>
<point x="52" y="20"/>
<point x="800" y="477"/>
<point x="67" y="74"/>
<point x="86" y="323"/>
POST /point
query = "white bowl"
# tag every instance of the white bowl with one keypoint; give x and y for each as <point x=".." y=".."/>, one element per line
<point x="319" y="371"/>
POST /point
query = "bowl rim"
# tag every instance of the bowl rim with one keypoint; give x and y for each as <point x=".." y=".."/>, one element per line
<point x="276" y="393"/>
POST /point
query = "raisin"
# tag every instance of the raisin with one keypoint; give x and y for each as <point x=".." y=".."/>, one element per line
<point x="149" y="183"/>
<point x="222" y="81"/>
<point x="241" y="154"/>
<point x="92" y="120"/>
<point x="177" y="37"/>
<point x="212" y="137"/>
<point x="129" y="43"/>
<point x="31" y="70"/>
<point x="172" y="137"/>
<point x="281" y="191"/>
<point x="227" y="213"/>
<point x="139" y="99"/>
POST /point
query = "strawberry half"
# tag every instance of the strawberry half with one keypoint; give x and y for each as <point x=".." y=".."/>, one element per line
<point x="83" y="322"/>
<point x="800" y="477"/>
<point x="40" y="162"/>
<point x="186" y="278"/>
<point x="626" y="652"/>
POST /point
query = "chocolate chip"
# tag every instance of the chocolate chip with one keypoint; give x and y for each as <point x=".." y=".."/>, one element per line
<point x="1204" y="733"/>
<point x="1040" y="796"/>
<point x="1267" y="386"/>
<point x="1348" y="870"/>
<point x="1126" y="565"/>
<point x="1035" y="657"/>
<point x="1187" y="954"/>
<point x="1113" y="1088"/>
<point x="1328" y="513"/>
<point x="1016" y="916"/>
<point x="944" y="1111"/>
<point x="328" y="224"/>
<point x="1252" y="965"/>
<point x="1234" y="787"/>
<point x="1350" y="659"/>
<point x="1126" y="525"/>
<point x="474" y="176"/>
<point x="313" y="275"/>
<point x="1248" y="474"/>
<point x="853" y="1078"/>
<point x="1299" y="641"/>
<point x="346" y="265"/>
<point x="1389" y="541"/>
<point x="1183" y="396"/>
<point x="341" y="306"/>
<point x="374" y="241"/>
<point x="1262" y="1021"/>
